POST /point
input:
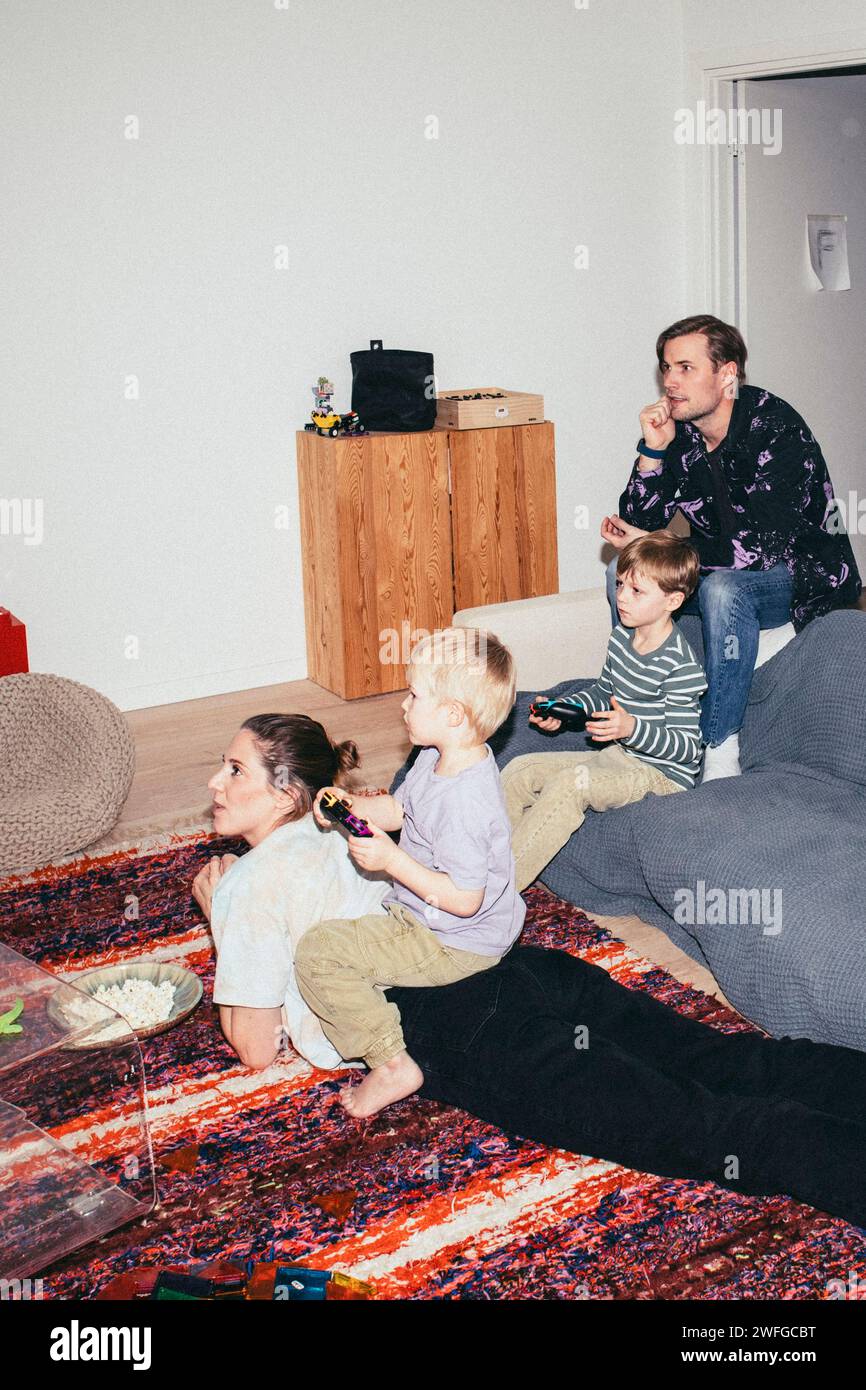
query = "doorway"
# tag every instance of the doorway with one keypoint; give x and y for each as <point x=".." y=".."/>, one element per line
<point x="797" y="146"/>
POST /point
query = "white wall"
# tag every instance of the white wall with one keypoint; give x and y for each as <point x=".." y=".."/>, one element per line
<point x="305" y="126"/>
<point x="739" y="23"/>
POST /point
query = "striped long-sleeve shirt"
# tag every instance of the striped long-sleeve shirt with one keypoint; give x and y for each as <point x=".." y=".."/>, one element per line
<point x="662" y="689"/>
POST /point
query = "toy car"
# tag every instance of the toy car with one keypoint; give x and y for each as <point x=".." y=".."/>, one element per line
<point x="332" y="424"/>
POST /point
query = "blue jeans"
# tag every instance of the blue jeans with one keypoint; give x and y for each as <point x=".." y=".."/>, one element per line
<point x="734" y="605"/>
<point x="652" y="1090"/>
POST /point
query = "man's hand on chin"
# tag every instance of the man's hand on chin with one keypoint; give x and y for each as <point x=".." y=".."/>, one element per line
<point x="657" y="426"/>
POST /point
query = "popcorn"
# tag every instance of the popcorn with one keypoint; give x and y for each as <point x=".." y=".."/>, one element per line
<point x="140" y="1002"/>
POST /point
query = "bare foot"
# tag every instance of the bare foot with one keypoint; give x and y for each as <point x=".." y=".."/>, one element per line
<point x="382" y="1086"/>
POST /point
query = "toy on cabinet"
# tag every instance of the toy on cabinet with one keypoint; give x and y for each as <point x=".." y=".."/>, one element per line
<point x="326" y="420"/>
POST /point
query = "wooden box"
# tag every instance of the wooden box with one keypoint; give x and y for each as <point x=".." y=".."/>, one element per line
<point x="496" y="406"/>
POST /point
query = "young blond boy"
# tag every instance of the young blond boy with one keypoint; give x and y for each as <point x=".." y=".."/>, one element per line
<point x="453" y="909"/>
<point x="645" y="707"/>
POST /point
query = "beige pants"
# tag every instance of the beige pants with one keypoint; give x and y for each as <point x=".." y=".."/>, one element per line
<point x="340" y="966"/>
<point x="547" y="795"/>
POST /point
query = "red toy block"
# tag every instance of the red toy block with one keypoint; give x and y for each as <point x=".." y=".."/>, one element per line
<point x="13" y="644"/>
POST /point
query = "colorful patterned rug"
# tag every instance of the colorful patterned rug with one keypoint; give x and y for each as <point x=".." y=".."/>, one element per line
<point x="425" y="1202"/>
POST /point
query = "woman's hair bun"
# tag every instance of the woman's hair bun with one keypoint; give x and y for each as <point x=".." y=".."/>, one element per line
<point x="347" y="755"/>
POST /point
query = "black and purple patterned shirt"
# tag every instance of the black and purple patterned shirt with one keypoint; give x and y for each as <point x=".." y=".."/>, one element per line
<point x="760" y="500"/>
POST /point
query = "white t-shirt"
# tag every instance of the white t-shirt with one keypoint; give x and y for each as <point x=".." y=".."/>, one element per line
<point x="299" y="875"/>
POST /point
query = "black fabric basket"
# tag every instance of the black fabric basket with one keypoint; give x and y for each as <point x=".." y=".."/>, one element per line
<point x="393" y="389"/>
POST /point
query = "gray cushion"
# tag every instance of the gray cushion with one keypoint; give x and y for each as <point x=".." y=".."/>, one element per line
<point x="809" y="711"/>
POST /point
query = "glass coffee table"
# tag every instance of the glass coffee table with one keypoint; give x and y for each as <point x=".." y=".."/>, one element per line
<point x="75" y="1153"/>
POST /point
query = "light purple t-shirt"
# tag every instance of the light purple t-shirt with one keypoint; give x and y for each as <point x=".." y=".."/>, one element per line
<point x="459" y="826"/>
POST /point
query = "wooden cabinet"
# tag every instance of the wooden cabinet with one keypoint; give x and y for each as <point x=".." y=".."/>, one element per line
<point x="399" y="531"/>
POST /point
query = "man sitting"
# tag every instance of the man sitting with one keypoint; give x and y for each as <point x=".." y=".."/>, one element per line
<point x="745" y="470"/>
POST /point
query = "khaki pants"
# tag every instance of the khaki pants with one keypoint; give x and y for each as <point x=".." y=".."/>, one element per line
<point x="547" y="795"/>
<point x="340" y="966"/>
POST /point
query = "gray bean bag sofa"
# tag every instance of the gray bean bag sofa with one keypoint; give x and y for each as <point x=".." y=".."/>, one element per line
<point x="760" y="877"/>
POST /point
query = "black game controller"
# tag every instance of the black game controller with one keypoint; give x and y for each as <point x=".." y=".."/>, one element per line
<point x="336" y="809"/>
<point x="558" y="709"/>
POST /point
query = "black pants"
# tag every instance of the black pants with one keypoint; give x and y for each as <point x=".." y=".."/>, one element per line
<point x="649" y="1089"/>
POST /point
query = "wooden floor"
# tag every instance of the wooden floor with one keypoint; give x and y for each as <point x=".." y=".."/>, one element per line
<point x="179" y="747"/>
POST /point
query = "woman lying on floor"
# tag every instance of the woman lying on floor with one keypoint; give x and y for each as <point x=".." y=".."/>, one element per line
<point x="545" y="1045"/>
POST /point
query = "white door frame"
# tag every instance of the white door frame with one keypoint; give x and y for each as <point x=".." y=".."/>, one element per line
<point x="712" y="76"/>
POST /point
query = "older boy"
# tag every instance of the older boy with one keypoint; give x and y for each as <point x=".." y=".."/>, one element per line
<point x="644" y="706"/>
<point x="453" y="909"/>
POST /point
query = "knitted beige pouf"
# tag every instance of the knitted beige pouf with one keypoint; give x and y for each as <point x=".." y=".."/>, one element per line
<point x="67" y="760"/>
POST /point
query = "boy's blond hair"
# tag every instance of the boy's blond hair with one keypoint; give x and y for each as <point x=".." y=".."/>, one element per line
<point x="469" y="665"/>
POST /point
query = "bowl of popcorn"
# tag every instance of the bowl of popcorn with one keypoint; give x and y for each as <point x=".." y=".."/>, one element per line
<point x="150" y="996"/>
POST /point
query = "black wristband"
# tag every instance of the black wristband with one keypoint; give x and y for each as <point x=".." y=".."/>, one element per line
<point x="649" y="453"/>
